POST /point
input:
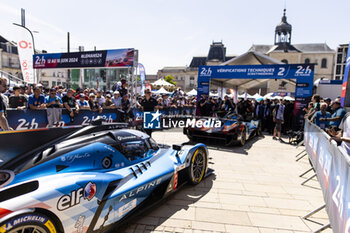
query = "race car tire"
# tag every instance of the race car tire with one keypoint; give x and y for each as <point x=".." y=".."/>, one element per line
<point x="29" y="222"/>
<point x="258" y="130"/>
<point x="198" y="166"/>
<point x="243" y="138"/>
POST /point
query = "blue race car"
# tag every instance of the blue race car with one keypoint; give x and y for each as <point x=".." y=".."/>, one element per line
<point x="233" y="130"/>
<point x="92" y="180"/>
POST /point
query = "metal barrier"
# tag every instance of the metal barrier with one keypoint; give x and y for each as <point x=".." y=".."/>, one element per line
<point x="331" y="164"/>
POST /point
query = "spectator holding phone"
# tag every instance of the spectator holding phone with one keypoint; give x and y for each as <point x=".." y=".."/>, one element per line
<point x="52" y="100"/>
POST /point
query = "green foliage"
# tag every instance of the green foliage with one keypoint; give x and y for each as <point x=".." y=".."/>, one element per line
<point x="170" y="79"/>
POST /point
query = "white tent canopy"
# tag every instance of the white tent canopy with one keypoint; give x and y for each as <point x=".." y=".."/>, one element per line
<point x="257" y="96"/>
<point x="162" y="82"/>
<point x="162" y="91"/>
<point x="288" y="98"/>
<point x="212" y="94"/>
<point x="245" y="95"/>
<point x="193" y="92"/>
<point x="268" y="96"/>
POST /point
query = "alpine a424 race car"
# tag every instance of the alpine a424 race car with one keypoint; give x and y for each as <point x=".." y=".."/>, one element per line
<point x="233" y="130"/>
<point x="92" y="180"/>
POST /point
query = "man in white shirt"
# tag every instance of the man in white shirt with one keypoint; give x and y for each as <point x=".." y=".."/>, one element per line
<point x="117" y="100"/>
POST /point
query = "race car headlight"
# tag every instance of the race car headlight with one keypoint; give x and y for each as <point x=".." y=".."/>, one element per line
<point x="229" y="127"/>
<point x="6" y="177"/>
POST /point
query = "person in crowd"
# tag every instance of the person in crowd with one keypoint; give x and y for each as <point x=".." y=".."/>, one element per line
<point x="316" y="99"/>
<point x="126" y="108"/>
<point x="123" y="90"/>
<point x="321" y="114"/>
<point x="78" y="91"/>
<point x="40" y="86"/>
<point x="160" y="102"/>
<point x="94" y="106"/>
<point x="100" y="99"/>
<point x="117" y="100"/>
<point x="70" y="104"/>
<point x="278" y="115"/>
<point x="166" y="100"/>
<point x="229" y="105"/>
<point x="59" y="91"/>
<point x="17" y="100"/>
<point x="267" y="119"/>
<point x="82" y="102"/>
<point x="204" y="106"/>
<point x="52" y="100"/>
<point x="54" y="107"/>
<point x="36" y="100"/>
<point x="343" y="136"/>
<point x="328" y="101"/>
<point x="337" y="116"/>
<point x="260" y="112"/>
<point x="3" y="113"/>
<point x="108" y="104"/>
<point x="23" y="91"/>
<point x="308" y="109"/>
<point x="148" y="104"/>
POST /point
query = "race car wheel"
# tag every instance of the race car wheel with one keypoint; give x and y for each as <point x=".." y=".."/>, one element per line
<point x="243" y="139"/>
<point x="198" y="166"/>
<point x="29" y="222"/>
<point x="258" y="130"/>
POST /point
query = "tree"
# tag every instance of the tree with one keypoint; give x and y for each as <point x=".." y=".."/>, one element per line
<point x="170" y="79"/>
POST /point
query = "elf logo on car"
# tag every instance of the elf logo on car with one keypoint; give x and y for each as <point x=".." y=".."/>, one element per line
<point x="72" y="199"/>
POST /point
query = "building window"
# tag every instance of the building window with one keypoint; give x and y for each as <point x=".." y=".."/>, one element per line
<point x="284" y="61"/>
<point x="307" y="61"/>
<point x="339" y="58"/>
<point x="53" y="74"/>
<point x="324" y="63"/>
<point x="338" y="69"/>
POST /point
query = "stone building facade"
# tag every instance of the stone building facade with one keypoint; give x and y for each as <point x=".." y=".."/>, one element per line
<point x="282" y="51"/>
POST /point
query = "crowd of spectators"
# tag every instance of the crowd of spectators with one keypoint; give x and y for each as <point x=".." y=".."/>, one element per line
<point x="275" y="115"/>
<point x="331" y="117"/>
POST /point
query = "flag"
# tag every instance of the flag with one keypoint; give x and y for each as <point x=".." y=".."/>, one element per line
<point x="25" y="47"/>
<point x="142" y="77"/>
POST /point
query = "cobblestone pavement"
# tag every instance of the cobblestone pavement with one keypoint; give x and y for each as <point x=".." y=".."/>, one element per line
<point x="255" y="188"/>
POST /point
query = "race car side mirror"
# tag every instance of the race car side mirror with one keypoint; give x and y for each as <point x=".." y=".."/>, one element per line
<point x="177" y="147"/>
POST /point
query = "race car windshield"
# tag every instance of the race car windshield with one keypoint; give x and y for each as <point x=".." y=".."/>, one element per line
<point x="133" y="150"/>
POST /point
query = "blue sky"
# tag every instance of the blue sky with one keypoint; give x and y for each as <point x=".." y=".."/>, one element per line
<point x="169" y="33"/>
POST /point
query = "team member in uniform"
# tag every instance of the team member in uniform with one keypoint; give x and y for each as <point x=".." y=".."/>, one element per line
<point x="148" y="104"/>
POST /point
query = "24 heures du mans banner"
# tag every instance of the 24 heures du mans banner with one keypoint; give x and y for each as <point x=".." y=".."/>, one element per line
<point x="101" y="58"/>
<point x="331" y="164"/>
